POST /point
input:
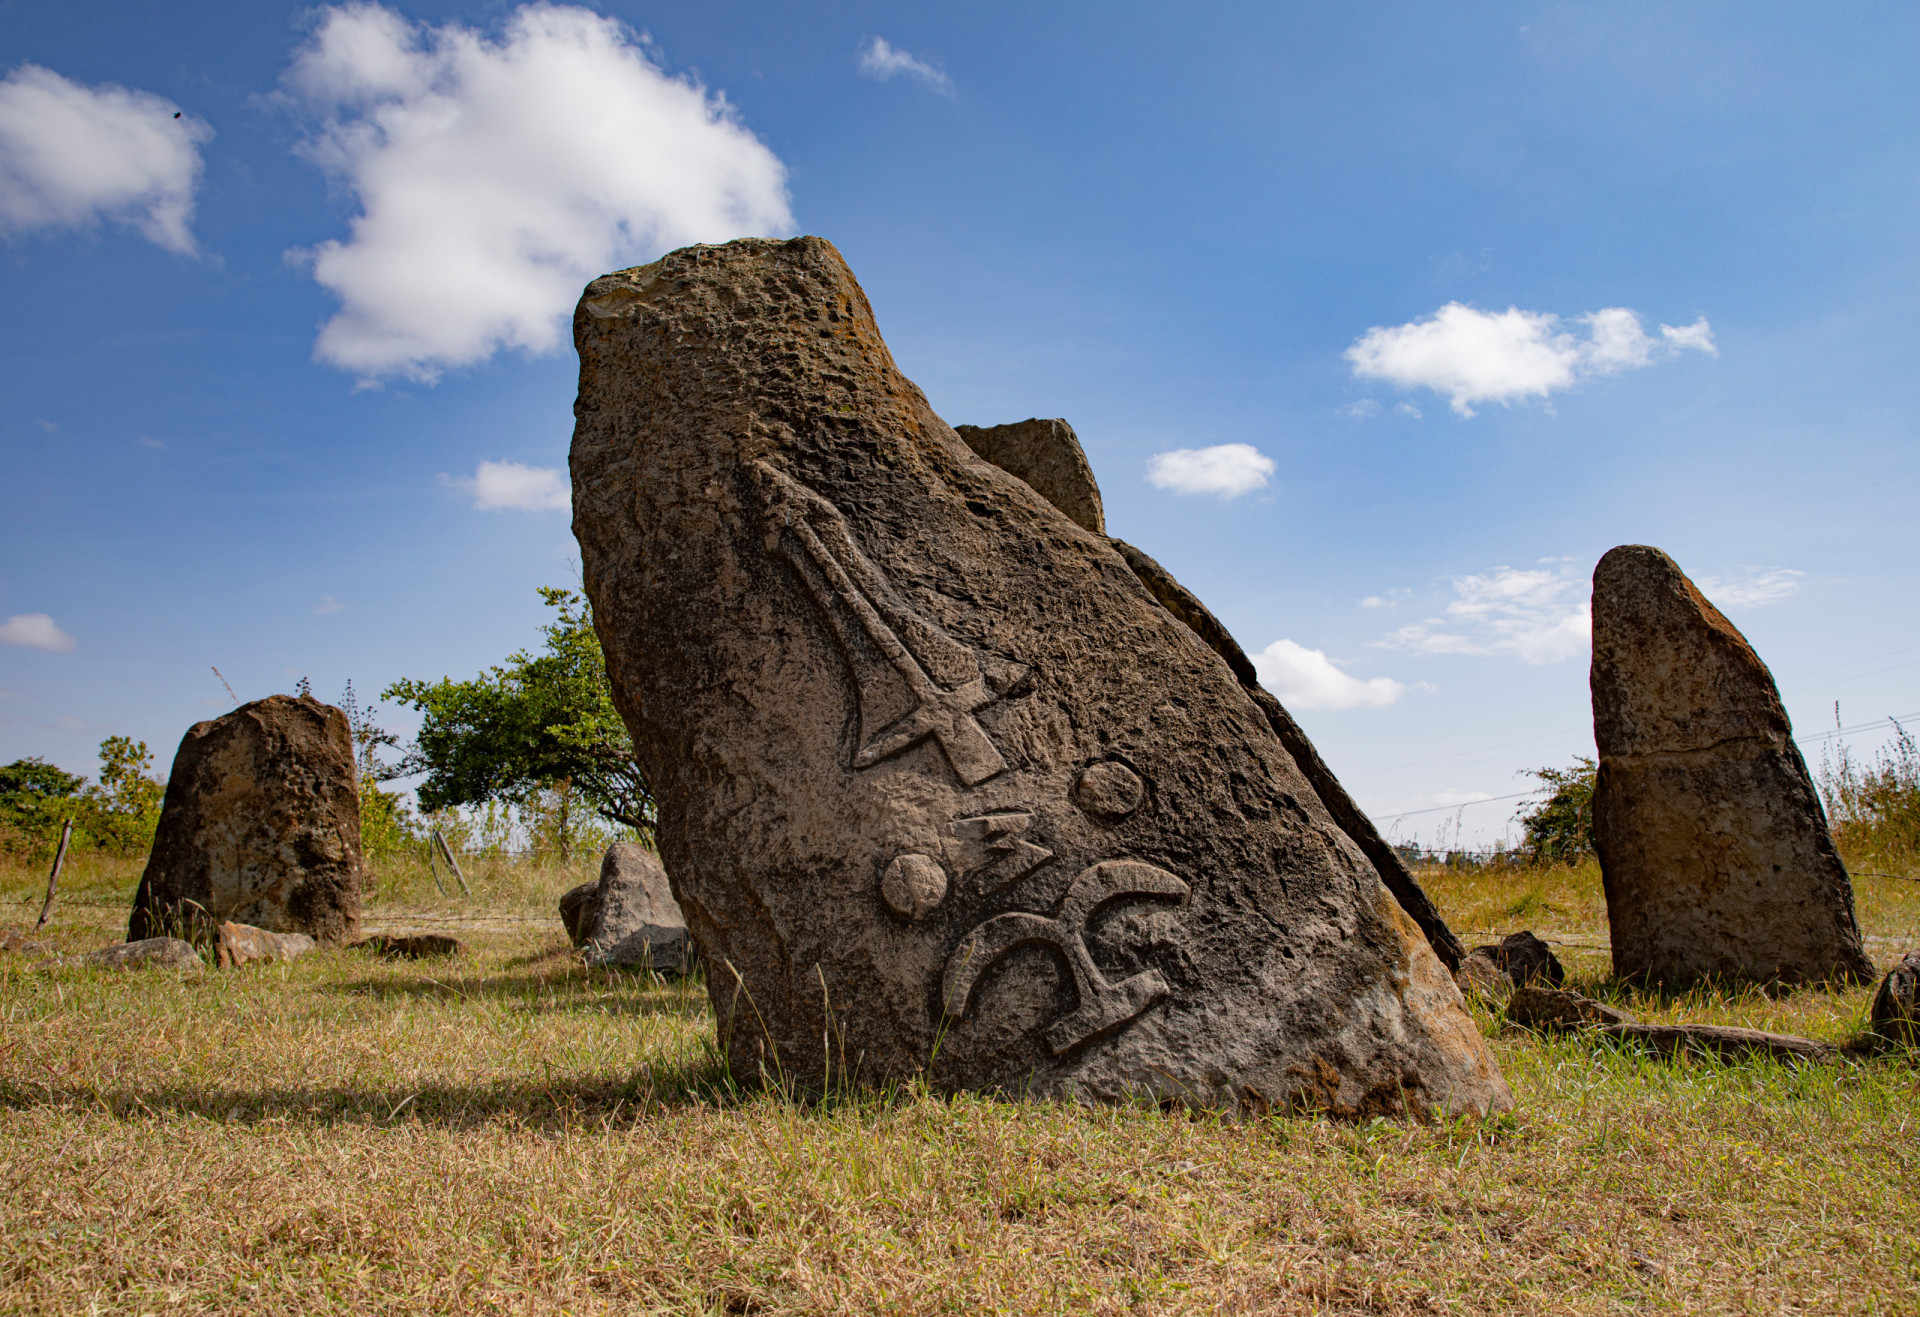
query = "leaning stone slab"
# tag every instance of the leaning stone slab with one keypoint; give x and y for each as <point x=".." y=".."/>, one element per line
<point x="944" y="791"/>
<point x="1896" y="1006"/>
<point x="242" y="944"/>
<point x="1048" y="457"/>
<point x="148" y="953"/>
<point x="260" y="826"/>
<point x="578" y="906"/>
<point x="1556" y="1008"/>
<point x="632" y="918"/>
<point x="1714" y="849"/>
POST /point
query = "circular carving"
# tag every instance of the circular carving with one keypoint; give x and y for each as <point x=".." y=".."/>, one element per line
<point x="913" y="885"/>
<point x="1109" y="790"/>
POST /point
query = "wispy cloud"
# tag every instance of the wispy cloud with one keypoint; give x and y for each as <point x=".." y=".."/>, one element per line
<point x="1540" y="615"/>
<point x="71" y="156"/>
<point x="327" y="606"/>
<point x="35" y="631"/>
<point x="496" y="175"/>
<point x="1305" y="678"/>
<point x="1751" y="587"/>
<point x="503" y="485"/>
<point x="1474" y="356"/>
<point x="881" y="60"/>
<point x="1228" y="470"/>
<point x="148" y="441"/>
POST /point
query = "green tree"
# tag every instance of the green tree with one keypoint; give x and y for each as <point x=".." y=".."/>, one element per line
<point x="1559" y="829"/>
<point x="535" y="723"/>
<point x="124" y="806"/>
<point x="118" y="813"/>
<point x="387" y="824"/>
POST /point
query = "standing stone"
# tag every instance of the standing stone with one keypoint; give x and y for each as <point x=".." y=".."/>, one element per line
<point x="1714" y="849"/>
<point x="1048" y="457"/>
<point x="632" y="918"/>
<point x="260" y="826"/>
<point x="1896" y="1006"/>
<point x="943" y="789"/>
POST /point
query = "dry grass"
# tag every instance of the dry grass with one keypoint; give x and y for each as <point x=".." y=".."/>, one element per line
<point x="508" y="1132"/>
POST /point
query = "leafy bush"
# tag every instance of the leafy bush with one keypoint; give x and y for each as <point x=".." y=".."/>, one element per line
<point x="1874" y="810"/>
<point x="1559" y="829"/>
<point x="117" y="814"/>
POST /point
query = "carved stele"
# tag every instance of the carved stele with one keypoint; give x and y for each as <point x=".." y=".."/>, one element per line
<point x="943" y="790"/>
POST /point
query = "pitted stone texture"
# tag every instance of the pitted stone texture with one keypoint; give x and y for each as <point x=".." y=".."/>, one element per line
<point x="260" y="825"/>
<point x="1714" y="849"/>
<point x="148" y="953"/>
<point x="243" y="944"/>
<point x="1109" y="790"/>
<point x="632" y="918"/>
<point x="838" y="637"/>
<point x="1048" y="457"/>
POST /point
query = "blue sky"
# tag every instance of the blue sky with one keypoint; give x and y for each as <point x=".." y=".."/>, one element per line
<point x="1408" y="265"/>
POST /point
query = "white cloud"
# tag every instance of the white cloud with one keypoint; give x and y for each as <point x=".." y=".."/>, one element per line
<point x="1364" y="410"/>
<point x="1510" y="356"/>
<point x="496" y="175"/>
<point x="1408" y="409"/>
<point x="35" y="631"/>
<point x="1751" y="587"/>
<point x="1542" y="615"/>
<point x="72" y="156"/>
<point x="1307" y="679"/>
<point x="328" y="605"/>
<point x="882" y="61"/>
<point x="1228" y="470"/>
<point x="148" y="441"/>
<point x="497" y="485"/>
<point x="1391" y="599"/>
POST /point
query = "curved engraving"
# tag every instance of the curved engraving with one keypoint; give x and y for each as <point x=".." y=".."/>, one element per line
<point x="1102" y="1005"/>
<point x="944" y="682"/>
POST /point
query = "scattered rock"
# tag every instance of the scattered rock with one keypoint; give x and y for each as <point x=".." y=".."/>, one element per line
<point x="410" y="946"/>
<point x="1524" y="959"/>
<point x="1353" y="821"/>
<point x="634" y="918"/>
<point x="243" y="944"/>
<point x="1048" y="457"/>
<point x="1556" y="1008"/>
<point x="577" y="908"/>
<point x="24" y="944"/>
<point x="838" y="639"/>
<point x="1713" y="846"/>
<point x="1896" y="1006"/>
<point x="1722" y="1041"/>
<point x="261" y="826"/>
<point x="148" y="953"/>
<point x="1480" y="975"/>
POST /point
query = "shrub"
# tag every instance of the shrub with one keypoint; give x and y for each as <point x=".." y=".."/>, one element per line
<point x="1874" y="811"/>
<point x="1559" y="829"/>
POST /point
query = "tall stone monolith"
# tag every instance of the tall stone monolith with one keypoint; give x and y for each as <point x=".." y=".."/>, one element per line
<point x="1714" y="850"/>
<point x="943" y="790"/>
<point x="260" y="826"/>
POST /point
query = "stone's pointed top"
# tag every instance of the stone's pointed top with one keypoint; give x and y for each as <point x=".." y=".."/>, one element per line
<point x="1670" y="672"/>
<point x="1047" y="455"/>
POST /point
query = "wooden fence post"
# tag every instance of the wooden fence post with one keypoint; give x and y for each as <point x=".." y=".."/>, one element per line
<point x="53" y="879"/>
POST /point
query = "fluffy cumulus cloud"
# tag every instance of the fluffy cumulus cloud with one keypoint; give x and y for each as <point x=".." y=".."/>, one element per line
<point x="1751" y="587"/>
<point x="881" y="60"/>
<point x="1473" y="356"/>
<point x="35" y="631"/>
<point x="496" y="174"/>
<point x="1540" y="614"/>
<point x="1307" y="679"/>
<point x="72" y="156"/>
<point x="1228" y="470"/>
<point x="512" y="485"/>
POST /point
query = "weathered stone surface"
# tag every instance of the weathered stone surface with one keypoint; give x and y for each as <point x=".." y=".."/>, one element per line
<point x="243" y="944"/>
<point x="1896" y="1006"/>
<point x="411" y="946"/>
<point x="261" y="826"/>
<point x="632" y="918"/>
<point x="1556" y="1008"/>
<point x="148" y="953"/>
<point x="1048" y="457"/>
<point x="1523" y="958"/>
<point x="1353" y="821"/>
<point x="839" y="638"/>
<point x="577" y="908"/>
<point x="1480" y="975"/>
<point x="1722" y="1041"/>
<point x="1714" y="849"/>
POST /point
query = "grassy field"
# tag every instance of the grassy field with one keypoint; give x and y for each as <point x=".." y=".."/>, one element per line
<point x="508" y="1132"/>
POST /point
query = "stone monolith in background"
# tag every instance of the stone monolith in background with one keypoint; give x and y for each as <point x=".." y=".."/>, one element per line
<point x="943" y="789"/>
<point x="629" y="917"/>
<point x="1714" y="849"/>
<point x="1047" y="455"/>
<point x="260" y="826"/>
